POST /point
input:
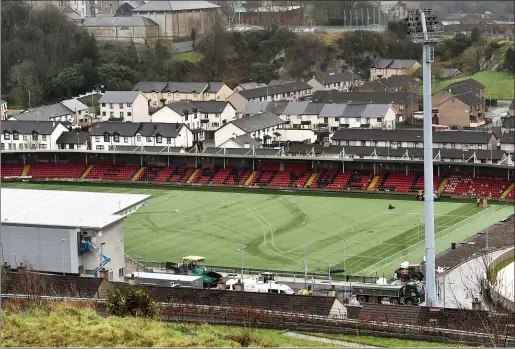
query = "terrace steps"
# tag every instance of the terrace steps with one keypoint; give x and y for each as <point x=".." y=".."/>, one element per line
<point x="373" y="183"/>
<point x="311" y="180"/>
<point x="88" y="170"/>
<point x="251" y="177"/>
<point x="25" y="170"/>
<point x="138" y="173"/>
<point x="507" y="191"/>
<point x="442" y="185"/>
<point x="193" y="175"/>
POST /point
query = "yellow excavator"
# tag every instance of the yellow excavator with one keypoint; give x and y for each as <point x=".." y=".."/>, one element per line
<point x="304" y="292"/>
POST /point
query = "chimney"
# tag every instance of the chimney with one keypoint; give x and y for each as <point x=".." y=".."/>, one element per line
<point x="7" y="267"/>
<point x="22" y="268"/>
<point x="133" y="280"/>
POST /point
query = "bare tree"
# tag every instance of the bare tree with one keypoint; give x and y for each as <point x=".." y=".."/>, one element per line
<point x="214" y="44"/>
<point x="479" y="282"/>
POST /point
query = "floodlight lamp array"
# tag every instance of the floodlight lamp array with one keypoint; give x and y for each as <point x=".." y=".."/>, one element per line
<point x="415" y="29"/>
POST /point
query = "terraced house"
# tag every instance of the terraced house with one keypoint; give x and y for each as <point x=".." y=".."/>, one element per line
<point x="161" y="93"/>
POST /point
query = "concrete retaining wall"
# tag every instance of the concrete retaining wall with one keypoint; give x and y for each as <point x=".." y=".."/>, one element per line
<point x="497" y="296"/>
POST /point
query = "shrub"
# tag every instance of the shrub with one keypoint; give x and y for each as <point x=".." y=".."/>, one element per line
<point x="131" y="302"/>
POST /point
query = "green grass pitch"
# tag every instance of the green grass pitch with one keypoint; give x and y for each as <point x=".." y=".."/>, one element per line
<point x="276" y="226"/>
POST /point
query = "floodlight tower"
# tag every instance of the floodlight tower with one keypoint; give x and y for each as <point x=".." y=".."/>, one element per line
<point x="424" y="28"/>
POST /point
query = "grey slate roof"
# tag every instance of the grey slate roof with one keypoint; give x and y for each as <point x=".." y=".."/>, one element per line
<point x="251" y="85"/>
<point x="467" y="85"/>
<point x="382" y="63"/>
<point x="332" y="110"/>
<point x="364" y="97"/>
<point x="185" y="87"/>
<point x="215" y="86"/>
<point x="276" y="108"/>
<point x="124" y="129"/>
<point x="132" y="21"/>
<point x="168" y="130"/>
<point x="255" y="107"/>
<point x="175" y="5"/>
<point x="44" y="113"/>
<point x="280" y="82"/>
<point x="74" y="104"/>
<point x="241" y="151"/>
<point x="245" y="139"/>
<point x="411" y="136"/>
<point x="275" y="89"/>
<point x="354" y="110"/>
<point x="398" y="81"/>
<point x="375" y="110"/>
<point x="449" y="72"/>
<point x="469" y="98"/>
<point x="401" y="63"/>
<point x="337" y="77"/>
<point x="73" y="137"/>
<point x="208" y="107"/>
<point x="119" y="96"/>
<point x="28" y="127"/>
<point x="508" y="138"/>
<point x="257" y="122"/>
<point x="313" y="108"/>
<point x="295" y="108"/>
<point x="149" y="86"/>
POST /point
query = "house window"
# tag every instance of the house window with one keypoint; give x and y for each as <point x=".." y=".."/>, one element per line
<point x="42" y="146"/>
<point x="154" y="103"/>
<point x="25" y="137"/>
<point x="206" y="94"/>
<point x="125" y="139"/>
<point x="106" y="137"/>
<point x="103" y="113"/>
<point x="149" y="139"/>
<point x="7" y="136"/>
<point x="97" y="138"/>
<point x="336" y="119"/>
<point x="44" y="137"/>
<point x="138" y="138"/>
<point x="128" y="105"/>
<point x="14" y="146"/>
<point x="401" y="107"/>
<point x="288" y="117"/>
<point x="185" y="117"/>
<point x="100" y="147"/>
<point x="159" y="139"/>
<point x="103" y="105"/>
<point x="16" y="136"/>
<point x="215" y="124"/>
<point x="195" y="95"/>
<point x="111" y="105"/>
<point x="169" y="94"/>
<point x="120" y="272"/>
<point x="169" y="140"/>
<point x="116" y="137"/>
<point x="177" y="95"/>
<point x="35" y="136"/>
<point x="111" y="114"/>
<point x="120" y="105"/>
<point x="121" y="114"/>
<point x="378" y="119"/>
<point x="129" y="113"/>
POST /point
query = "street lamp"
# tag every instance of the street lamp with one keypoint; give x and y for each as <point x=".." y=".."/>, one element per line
<point x="241" y="250"/>
<point x="62" y="254"/>
<point x="424" y="28"/>
<point x="305" y="258"/>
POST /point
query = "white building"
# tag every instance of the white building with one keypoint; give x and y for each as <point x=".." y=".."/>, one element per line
<point x="124" y="106"/>
<point x="261" y="127"/>
<point x="73" y="140"/>
<point x="47" y="230"/>
<point x="19" y="135"/>
<point x="109" y="135"/>
<point x="70" y="111"/>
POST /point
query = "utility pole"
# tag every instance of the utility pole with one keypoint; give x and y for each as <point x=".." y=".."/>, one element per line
<point x="305" y="258"/>
<point x="186" y="232"/>
<point x="241" y="250"/>
<point x="424" y="28"/>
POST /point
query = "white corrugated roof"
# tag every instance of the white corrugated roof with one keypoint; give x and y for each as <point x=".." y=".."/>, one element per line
<point x="65" y="208"/>
<point x="165" y="276"/>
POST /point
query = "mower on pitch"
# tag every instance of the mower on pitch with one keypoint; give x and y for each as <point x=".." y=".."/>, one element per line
<point x="194" y="266"/>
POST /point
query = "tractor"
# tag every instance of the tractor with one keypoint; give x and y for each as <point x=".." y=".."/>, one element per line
<point x="409" y="272"/>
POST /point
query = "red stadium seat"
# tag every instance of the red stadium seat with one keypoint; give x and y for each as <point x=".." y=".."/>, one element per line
<point x="56" y="170"/>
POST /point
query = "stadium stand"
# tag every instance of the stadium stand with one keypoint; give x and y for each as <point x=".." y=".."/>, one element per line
<point x="294" y="175"/>
<point x="11" y="170"/>
<point x="113" y="172"/>
<point x="481" y="185"/>
<point x="57" y="170"/>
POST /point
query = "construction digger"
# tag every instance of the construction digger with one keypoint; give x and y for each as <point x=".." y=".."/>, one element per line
<point x="305" y="292"/>
<point x="194" y="266"/>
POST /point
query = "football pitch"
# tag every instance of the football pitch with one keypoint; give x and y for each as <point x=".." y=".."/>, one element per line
<point x="279" y="229"/>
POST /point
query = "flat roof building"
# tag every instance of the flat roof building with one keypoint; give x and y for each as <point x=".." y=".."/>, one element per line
<point x="66" y="231"/>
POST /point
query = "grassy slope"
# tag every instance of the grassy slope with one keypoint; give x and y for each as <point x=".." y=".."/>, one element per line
<point x="271" y="226"/>
<point x="66" y="325"/>
<point x="499" y="85"/>
<point x="192" y="57"/>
